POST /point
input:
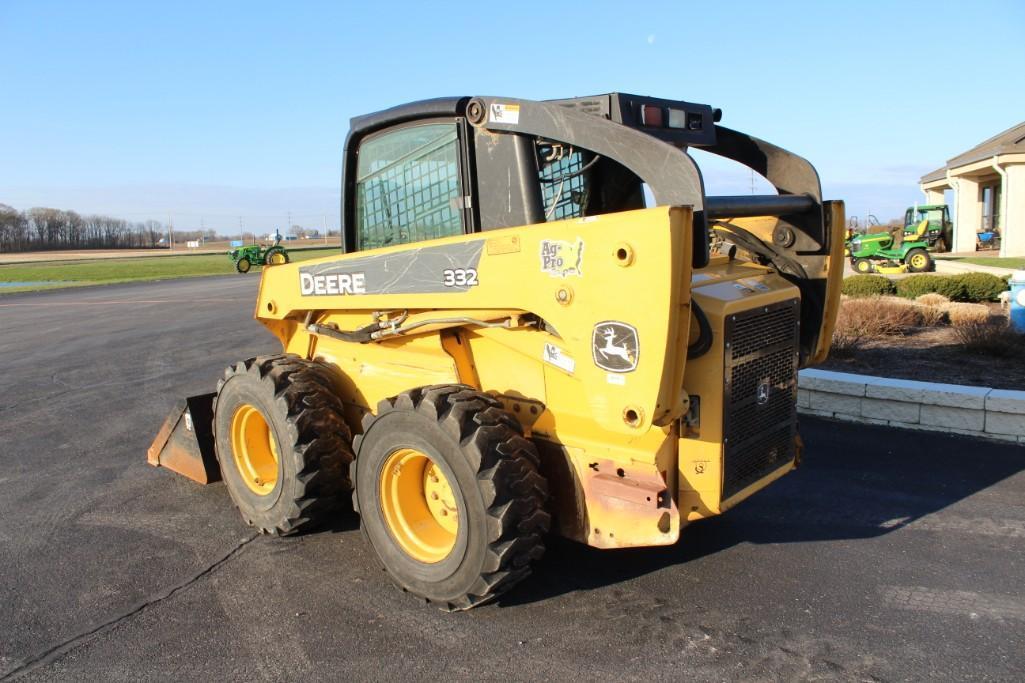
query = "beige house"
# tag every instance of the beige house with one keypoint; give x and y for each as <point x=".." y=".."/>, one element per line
<point x="988" y="182"/>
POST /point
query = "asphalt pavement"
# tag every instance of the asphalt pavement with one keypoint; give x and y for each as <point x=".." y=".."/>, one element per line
<point x="890" y="555"/>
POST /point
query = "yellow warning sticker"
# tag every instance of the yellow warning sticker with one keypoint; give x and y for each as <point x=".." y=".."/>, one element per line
<point x="505" y="113"/>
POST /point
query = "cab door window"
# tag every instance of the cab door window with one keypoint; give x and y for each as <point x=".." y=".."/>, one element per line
<point x="408" y="186"/>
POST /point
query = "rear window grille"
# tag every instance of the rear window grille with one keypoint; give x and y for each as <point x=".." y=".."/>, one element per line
<point x="760" y="415"/>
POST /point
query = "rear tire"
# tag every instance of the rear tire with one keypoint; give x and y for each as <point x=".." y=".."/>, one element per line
<point x="492" y="491"/>
<point x="275" y="256"/>
<point x="243" y="265"/>
<point x="918" y="261"/>
<point x="282" y="442"/>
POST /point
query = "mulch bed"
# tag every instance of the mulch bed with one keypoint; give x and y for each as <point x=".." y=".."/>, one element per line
<point x="932" y="355"/>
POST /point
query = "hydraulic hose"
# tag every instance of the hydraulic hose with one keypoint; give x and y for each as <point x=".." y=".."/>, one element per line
<point x="703" y="343"/>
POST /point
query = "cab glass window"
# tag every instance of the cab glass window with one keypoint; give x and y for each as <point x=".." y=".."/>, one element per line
<point x="408" y="187"/>
<point x="577" y="182"/>
<point x="564" y="182"/>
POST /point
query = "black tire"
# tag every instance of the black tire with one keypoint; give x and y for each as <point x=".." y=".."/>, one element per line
<point x="918" y="261"/>
<point x="243" y="265"/>
<point x="304" y="416"/>
<point x="493" y="473"/>
<point x="863" y="266"/>
<point x="271" y="252"/>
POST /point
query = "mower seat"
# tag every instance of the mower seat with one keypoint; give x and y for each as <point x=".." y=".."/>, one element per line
<point x="920" y="231"/>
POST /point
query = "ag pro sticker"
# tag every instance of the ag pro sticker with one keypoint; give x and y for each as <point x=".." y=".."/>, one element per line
<point x="561" y="258"/>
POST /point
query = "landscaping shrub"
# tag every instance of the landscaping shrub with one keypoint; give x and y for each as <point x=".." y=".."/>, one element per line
<point x="867" y="285"/>
<point x="932" y="299"/>
<point x="862" y="320"/>
<point x="933" y="307"/>
<point x="965" y="315"/>
<point x="981" y="286"/>
<point x="992" y="339"/>
<point x="914" y="286"/>
<point x="933" y="315"/>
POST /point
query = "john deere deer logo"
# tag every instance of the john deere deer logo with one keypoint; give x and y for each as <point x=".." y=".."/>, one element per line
<point x="614" y="346"/>
<point x="762" y="395"/>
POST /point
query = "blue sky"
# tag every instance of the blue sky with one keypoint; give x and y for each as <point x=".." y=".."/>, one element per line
<point x="213" y="110"/>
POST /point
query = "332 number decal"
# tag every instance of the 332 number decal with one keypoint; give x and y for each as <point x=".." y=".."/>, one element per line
<point x="460" y="277"/>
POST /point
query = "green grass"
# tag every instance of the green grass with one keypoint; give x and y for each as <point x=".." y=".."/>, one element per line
<point x="58" y="274"/>
<point x="1016" y="262"/>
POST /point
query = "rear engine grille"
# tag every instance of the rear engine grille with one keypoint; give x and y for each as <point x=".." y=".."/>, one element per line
<point x="760" y="415"/>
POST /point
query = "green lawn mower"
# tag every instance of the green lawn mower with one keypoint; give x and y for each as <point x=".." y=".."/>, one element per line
<point x="255" y="255"/>
<point x="897" y="251"/>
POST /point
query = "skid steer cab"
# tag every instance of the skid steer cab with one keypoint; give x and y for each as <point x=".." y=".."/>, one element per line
<point x="538" y="323"/>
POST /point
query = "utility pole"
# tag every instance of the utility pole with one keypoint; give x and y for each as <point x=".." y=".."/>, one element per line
<point x="170" y="232"/>
<point x="325" y="228"/>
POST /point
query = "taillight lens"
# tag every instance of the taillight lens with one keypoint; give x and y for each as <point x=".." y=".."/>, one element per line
<point x="652" y="116"/>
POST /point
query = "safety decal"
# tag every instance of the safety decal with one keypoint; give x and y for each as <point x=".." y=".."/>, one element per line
<point x="553" y="355"/>
<point x="615" y="347"/>
<point x="753" y="283"/>
<point x="560" y="258"/>
<point x="505" y="113"/>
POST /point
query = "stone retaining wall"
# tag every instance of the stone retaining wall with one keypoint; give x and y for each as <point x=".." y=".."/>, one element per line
<point x="975" y="411"/>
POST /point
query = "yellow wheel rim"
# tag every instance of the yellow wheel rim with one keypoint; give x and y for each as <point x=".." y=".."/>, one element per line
<point x="419" y="506"/>
<point x="276" y="259"/>
<point x="918" y="261"/>
<point x="254" y="450"/>
<point x="864" y="266"/>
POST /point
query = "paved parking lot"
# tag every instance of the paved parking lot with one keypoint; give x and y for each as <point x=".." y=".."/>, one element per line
<point x="889" y="556"/>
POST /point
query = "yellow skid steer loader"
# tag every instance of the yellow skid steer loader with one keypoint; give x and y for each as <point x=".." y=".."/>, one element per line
<point x="538" y="323"/>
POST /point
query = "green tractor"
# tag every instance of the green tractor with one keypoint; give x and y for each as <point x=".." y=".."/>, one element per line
<point x="940" y="233"/>
<point x="892" y="251"/>
<point x="255" y="255"/>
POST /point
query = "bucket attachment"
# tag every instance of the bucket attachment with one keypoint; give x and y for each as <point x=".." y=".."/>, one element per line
<point x="185" y="442"/>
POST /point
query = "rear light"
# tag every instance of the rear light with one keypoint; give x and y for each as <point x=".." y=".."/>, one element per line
<point x="686" y="120"/>
<point x="652" y="116"/>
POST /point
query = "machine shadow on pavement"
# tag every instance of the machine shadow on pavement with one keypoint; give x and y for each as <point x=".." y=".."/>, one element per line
<point x="840" y="493"/>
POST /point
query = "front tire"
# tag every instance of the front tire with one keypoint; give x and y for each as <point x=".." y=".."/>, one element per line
<point x="449" y="495"/>
<point x="918" y="261"/>
<point x="282" y="442"/>
<point x="243" y="265"/>
<point x="863" y="266"/>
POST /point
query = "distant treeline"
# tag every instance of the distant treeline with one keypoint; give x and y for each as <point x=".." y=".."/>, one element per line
<point x="44" y="229"/>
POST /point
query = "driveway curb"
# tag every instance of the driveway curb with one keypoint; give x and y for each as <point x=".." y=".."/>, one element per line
<point x="973" y="411"/>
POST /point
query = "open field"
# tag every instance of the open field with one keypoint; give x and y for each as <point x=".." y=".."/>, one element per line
<point x="179" y="250"/>
<point x="59" y="274"/>
<point x="889" y="555"/>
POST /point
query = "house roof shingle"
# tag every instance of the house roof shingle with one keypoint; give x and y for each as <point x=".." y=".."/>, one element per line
<point x="1010" y="141"/>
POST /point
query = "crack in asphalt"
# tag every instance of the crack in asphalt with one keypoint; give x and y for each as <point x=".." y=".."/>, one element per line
<point x="52" y="653"/>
